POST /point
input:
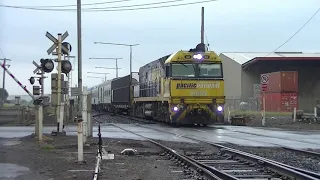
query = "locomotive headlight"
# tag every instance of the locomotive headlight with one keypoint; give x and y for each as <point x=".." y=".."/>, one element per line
<point x="197" y="56"/>
<point x="219" y="108"/>
<point x="175" y="108"/>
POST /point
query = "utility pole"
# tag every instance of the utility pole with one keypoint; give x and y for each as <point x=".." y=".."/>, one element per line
<point x="202" y="25"/>
<point x="79" y="57"/>
<point x="4" y="77"/>
<point x="105" y="74"/>
<point x="130" y="45"/>
<point x="110" y="68"/>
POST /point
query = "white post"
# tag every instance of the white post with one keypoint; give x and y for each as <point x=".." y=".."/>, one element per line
<point x="80" y="141"/>
<point x="89" y="124"/>
<point x="40" y="123"/>
<point x="294" y="114"/>
<point x="61" y="117"/>
<point x="89" y="115"/>
<point x="84" y="114"/>
<point x="37" y="121"/>
<point x="315" y="114"/>
<point x="229" y="115"/>
<point x="264" y="110"/>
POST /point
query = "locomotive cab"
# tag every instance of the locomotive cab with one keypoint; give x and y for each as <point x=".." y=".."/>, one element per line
<point x="196" y="87"/>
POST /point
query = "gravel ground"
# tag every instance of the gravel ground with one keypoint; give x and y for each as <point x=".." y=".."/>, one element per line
<point x="284" y="122"/>
<point x="148" y="163"/>
<point x="285" y="156"/>
<point x="108" y="118"/>
<point x="49" y="160"/>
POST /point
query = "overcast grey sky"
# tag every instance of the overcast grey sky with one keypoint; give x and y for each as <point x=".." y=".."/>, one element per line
<point x="230" y="25"/>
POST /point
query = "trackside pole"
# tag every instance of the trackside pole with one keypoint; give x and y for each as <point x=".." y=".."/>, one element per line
<point x="61" y="114"/>
<point x="84" y="113"/>
<point x="294" y="114"/>
<point x="89" y="115"/>
<point x="40" y="121"/>
<point x="264" y="109"/>
<point x="229" y="115"/>
<point x="80" y="140"/>
<point x="315" y="114"/>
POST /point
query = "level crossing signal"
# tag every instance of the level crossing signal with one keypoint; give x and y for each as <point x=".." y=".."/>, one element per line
<point x="47" y="65"/>
<point x="32" y="80"/>
<point x="66" y="66"/>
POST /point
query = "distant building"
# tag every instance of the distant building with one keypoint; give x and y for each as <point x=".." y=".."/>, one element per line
<point x="242" y="74"/>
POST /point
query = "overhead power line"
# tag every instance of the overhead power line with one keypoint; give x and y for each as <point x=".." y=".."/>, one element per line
<point x="113" y="8"/>
<point x="135" y="5"/>
<point x="74" y="5"/>
<point x="303" y="26"/>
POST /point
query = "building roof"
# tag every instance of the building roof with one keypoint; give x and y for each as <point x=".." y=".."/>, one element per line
<point x="245" y="57"/>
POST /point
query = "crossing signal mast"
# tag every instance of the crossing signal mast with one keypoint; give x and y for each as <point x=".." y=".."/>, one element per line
<point x="59" y="87"/>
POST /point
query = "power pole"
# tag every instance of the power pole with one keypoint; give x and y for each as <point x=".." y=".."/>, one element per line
<point x="79" y="56"/>
<point x="110" y="68"/>
<point x="202" y="25"/>
<point x="4" y="77"/>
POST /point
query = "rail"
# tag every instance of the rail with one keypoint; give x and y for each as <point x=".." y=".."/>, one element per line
<point x="277" y="166"/>
<point x="179" y="157"/>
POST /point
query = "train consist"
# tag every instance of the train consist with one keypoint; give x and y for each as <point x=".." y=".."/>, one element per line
<point x="185" y="87"/>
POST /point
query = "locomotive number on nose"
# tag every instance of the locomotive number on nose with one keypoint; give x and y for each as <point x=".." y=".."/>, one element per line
<point x="199" y="93"/>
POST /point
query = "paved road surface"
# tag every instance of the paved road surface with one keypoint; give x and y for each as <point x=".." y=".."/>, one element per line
<point x="248" y="136"/>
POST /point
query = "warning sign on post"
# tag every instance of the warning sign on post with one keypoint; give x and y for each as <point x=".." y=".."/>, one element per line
<point x="264" y="80"/>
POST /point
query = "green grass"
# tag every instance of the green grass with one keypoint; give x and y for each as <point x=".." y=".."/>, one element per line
<point x="242" y="113"/>
<point x="48" y="147"/>
<point x="6" y="105"/>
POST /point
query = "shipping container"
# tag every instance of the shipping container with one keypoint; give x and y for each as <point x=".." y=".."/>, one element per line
<point x="282" y="81"/>
<point x="280" y="102"/>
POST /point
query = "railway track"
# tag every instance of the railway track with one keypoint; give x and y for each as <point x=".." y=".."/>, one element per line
<point x="306" y="152"/>
<point x="232" y="164"/>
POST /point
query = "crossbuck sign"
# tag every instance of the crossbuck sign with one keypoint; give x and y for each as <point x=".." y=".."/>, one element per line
<point x="55" y="42"/>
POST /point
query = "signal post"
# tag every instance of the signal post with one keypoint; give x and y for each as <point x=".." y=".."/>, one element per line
<point x="64" y="66"/>
<point x="46" y="66"/>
